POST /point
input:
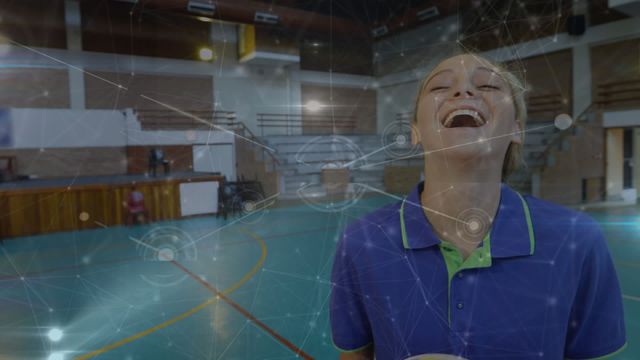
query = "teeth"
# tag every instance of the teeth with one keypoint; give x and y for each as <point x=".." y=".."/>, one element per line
<point x="474" y="114"/>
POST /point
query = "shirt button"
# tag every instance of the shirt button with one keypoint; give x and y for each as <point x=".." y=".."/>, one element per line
<point x="460" y="305"/>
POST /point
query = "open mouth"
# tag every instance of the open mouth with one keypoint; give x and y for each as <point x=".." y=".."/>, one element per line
<point x="464" y="118"/>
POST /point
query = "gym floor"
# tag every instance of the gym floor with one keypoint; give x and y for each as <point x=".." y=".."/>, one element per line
<point x="253" y="287"/>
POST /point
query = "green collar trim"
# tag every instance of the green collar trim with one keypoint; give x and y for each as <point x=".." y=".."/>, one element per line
<point x="403" y="229"/>
<point x="527" y="215"/>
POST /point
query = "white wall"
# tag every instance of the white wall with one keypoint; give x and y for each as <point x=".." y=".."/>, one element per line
<point x="69" y="128"/>
<point x="615" y="139"/>
<point x="65" y="128"/>
<point x="625" y="118"/>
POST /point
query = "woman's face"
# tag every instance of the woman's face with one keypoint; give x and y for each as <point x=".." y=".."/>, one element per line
<point x="467" y="110"/>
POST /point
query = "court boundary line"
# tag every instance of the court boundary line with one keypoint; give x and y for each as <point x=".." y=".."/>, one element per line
<point x="219" y="295"/>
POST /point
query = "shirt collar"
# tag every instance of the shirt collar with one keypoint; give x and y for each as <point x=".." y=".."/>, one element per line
<point x="511" y="232"/>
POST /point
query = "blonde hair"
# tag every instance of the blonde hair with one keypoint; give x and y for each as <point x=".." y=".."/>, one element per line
<point x="513" y="157"/>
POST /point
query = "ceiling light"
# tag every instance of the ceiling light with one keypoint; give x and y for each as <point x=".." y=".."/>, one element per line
<point x="428" y="13"/>
<point x="204" y="7"/>
<point x="266" y="18"/>
<point x="379" y="31"/>
<point x="204" y="19"/>
<point x="205" y="53"/>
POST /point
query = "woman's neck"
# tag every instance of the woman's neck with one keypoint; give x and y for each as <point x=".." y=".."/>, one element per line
<point x="461" y="203"/>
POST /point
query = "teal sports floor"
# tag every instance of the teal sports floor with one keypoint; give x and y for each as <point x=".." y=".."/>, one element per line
<point x="244" y="288"/>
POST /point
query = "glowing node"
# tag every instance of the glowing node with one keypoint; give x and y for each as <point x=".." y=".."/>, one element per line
<point x="84" y="216"/>
<point x="55" y="334"/>
<point x="249" y="206"/>
<point x="166" y="254"/>
<point x="563" y="121"/>
<point x="205" y="54"/>
<point x="474" y="225"/>
<point x="313" y="106"/>
<point x="401" y="139"/>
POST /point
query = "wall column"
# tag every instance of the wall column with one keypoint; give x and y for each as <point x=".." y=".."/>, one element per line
<point x="615" y="139"/>
<point x="581" y="79"/>
<point x="74" y="43"/>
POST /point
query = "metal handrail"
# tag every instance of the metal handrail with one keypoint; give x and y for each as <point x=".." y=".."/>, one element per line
<point x="290" y="121"/>
<point x="560" y="136"/>
<point x="218" y="117"/>
<point x="249" y="134"/>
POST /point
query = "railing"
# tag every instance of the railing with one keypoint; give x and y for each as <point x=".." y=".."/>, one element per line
<point x="618" y="93"/>
<point x="546" y="103"/>
<point x="248" y="134"/>
<point x="163" y="119"/>
<point x="291" y="122"/>
<point x="559" y="137"/>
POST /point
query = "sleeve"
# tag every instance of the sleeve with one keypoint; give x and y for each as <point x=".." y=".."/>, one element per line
<point x="596" y="324"/>
<point x="349" y="323"/>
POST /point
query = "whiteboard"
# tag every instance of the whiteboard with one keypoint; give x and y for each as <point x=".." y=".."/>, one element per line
<point x="198" y="198"/>
<point x="215" y="158"/>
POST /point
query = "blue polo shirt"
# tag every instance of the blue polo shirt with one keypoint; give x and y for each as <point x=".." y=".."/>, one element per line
<point x="541" y="285"/>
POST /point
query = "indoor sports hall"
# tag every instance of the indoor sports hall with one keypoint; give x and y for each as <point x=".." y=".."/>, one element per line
<point x="180" y="179"/>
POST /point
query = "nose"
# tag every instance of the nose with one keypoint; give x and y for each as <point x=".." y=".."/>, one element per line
<point x="467" y="93"/>
<point x="463" y="90"/>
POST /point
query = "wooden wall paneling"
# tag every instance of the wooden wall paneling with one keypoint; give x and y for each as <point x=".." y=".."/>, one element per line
<point x="118" y="208"/>
<point x="49" y="211"/>
<point x="616" y="75"/>
<point x="41" y="211"/>
<point x="183" y="92"/>
<point x="106" y="27"/>
<point x="180" y="156"/>
<point x="4" y="217"/>
<point x="60" y="162"/>
<point x="549" y="82"/>
<point x="341" y="104"/>
<point x="35" y="23"/>
<point x="69" y="211"/>
<point x="34" y="88"/>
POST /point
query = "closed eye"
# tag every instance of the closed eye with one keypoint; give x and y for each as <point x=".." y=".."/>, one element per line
<point x="437" y="88"/>
<point x="488" y="87"/>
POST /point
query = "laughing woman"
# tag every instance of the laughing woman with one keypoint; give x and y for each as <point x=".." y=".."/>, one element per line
<point x="464" y="265"/>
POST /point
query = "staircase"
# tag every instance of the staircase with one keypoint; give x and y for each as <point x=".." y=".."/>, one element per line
<point x="302" y="158"/>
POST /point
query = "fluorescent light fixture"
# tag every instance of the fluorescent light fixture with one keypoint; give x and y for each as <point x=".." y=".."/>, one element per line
<point x="266" y="18"/>
<point x="204" y="19"/>
<point x="204" y="7"/>
<point x="428" y="13"/>
<point x="380" y="31"/>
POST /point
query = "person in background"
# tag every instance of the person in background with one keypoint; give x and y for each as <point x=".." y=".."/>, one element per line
<point x="137" y="212"/>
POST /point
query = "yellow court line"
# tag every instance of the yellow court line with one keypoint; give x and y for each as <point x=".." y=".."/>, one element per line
<point x="184" y="315"/>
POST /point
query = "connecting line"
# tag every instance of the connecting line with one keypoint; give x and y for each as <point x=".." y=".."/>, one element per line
<point x="189" y="115"/>
<point x="227" y="225"/>
<point x="119" y="86"/>
<point x="66" y="64"/>
<point x="369" y="154"/>
<point x="412" y="203"/>
<point x="143" y="244"/>
<point x="263" y="201"/>
<point x="451" y="147"/>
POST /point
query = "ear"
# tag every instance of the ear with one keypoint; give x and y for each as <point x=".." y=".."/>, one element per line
<point x="415" y="134"/>
<point x="517" y="132"/>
